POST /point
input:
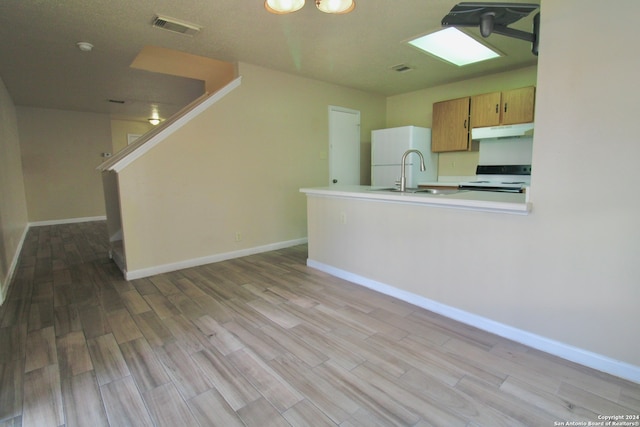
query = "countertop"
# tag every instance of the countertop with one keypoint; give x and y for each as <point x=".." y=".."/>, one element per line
<point x="512" y="203"/>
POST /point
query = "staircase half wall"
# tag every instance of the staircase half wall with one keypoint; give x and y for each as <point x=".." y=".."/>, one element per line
<point x="112" y="168"/>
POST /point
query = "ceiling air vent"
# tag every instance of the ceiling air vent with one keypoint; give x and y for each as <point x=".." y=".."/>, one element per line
<point x="177" y="26"/>
<point x="401" y="68"/>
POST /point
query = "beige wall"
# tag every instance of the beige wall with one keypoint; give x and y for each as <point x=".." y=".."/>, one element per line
<point x="121" y="128"/>
<point x="416" y="108"/>
<point x="241" y="164"/>
<point x="585" y="234"/>
<point x="13" y="206"/>
<point x="569" y="271"/>
<point x="60" y="153"/>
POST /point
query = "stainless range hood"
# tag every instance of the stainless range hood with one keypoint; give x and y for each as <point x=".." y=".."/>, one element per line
<point x="506" y="131"/>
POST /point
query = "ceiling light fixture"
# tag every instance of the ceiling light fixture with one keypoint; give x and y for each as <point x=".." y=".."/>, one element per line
<point x="336" y="6"/>
<point x="85" y="46"/>
<point x="155" y="117"/>
<point x="282" y="7"/>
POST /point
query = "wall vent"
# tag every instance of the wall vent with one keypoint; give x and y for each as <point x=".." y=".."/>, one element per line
<point x="175" y="25"/>
<point x="401" y="68"/>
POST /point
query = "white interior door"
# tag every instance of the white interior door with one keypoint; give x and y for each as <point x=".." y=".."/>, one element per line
<point x="344" y="146"/>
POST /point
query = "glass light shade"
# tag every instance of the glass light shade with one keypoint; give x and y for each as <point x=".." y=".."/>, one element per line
<point x="154" y="121"/>
<point x="336" y="6"/>
<point x="281" y="7"/>
<point x="454" y="46"/>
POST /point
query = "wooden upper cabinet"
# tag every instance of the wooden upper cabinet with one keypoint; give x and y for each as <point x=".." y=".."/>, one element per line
<point x="518" y="105"/>
<point x="485" y="109"/>
<point x="503" y="108"/>
<point x="453" y="119"/>
<point x="450" y="125"/>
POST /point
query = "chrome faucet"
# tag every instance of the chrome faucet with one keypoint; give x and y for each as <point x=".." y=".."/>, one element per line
<point x="403" y="176"/>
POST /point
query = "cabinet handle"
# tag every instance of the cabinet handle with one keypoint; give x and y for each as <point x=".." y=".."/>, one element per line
<point x="505" y="107"/>
<point x="497" y="108"/>
<point x="465" y="124"/>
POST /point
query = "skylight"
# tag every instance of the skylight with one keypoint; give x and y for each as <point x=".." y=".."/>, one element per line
<point x="454" y="46"/>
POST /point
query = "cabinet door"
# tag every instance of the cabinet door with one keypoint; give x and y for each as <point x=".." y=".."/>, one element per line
<point x="485" y="110"/>
<point x="518" y="106"/>
<point x="450" y="125"/>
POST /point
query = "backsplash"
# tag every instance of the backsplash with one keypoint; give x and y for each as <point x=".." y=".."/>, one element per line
<point x="506" y="151"/>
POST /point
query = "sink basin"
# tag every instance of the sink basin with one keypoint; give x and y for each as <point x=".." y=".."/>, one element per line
<point x="420" y="190"/>
<point x="437" y="190"/>
<point x="397" y="190"/>
<point x="383" y="189"/>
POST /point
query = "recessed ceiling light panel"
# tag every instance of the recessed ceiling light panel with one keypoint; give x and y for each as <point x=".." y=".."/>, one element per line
<point x="454" y="46"/>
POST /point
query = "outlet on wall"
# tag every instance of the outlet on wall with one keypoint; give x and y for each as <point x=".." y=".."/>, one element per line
<point x="238" y="236"/>
<point x="343" y="218"/>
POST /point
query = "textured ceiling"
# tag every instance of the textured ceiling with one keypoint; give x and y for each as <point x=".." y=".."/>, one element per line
<point x="42" y="67"/>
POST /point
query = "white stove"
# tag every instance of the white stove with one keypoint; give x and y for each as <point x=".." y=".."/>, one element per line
<point x="504" y="178"/>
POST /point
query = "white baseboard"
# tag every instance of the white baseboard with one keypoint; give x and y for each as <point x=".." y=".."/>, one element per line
<point x="556" y="348"/>
<point x="118" y="258"/>
<point x="4" y="285"/>
<point x="67" y="221"/>
<point x="165" y="268"/>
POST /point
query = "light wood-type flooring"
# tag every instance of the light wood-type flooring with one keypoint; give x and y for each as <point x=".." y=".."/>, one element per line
<point x="259" y="341"/>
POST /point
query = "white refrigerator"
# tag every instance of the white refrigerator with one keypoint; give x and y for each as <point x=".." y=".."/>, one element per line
<point x="387" y="148"/>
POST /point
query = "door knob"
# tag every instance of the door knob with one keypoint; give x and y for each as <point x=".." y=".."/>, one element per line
<point x="335" y="181"/>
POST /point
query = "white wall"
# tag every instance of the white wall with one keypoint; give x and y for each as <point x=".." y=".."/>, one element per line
<point x="569" y="271"/>
<point x="235" y="168"/>
<point x="121" y="128"/>
<point x="13" y="206"/>
<point x="585" y="232"/>
<point x="60" y="153"/>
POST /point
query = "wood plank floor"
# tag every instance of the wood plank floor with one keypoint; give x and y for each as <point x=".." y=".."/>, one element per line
<point x="259" y="341"/>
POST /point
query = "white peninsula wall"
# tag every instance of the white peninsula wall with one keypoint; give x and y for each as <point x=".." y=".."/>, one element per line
<point x="566" y="277"/>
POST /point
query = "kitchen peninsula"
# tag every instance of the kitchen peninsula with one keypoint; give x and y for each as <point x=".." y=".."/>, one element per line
<point x="513" y="203"/>
<point x="425" y="249"/>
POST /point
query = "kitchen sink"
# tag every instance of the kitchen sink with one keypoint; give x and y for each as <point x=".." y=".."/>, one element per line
<point x="420" y="190"/>
<point x="397" y="190"/>
<point x="438" y="190"/>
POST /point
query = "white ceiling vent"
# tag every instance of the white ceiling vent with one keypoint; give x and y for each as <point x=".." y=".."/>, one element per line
<point x="175" y="25"/>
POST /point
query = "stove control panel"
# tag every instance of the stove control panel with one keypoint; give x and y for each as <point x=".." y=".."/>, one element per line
<point x="503" y="170"/>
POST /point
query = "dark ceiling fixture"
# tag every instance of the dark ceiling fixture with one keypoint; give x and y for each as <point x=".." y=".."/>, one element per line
<point x="495" y="18"/>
